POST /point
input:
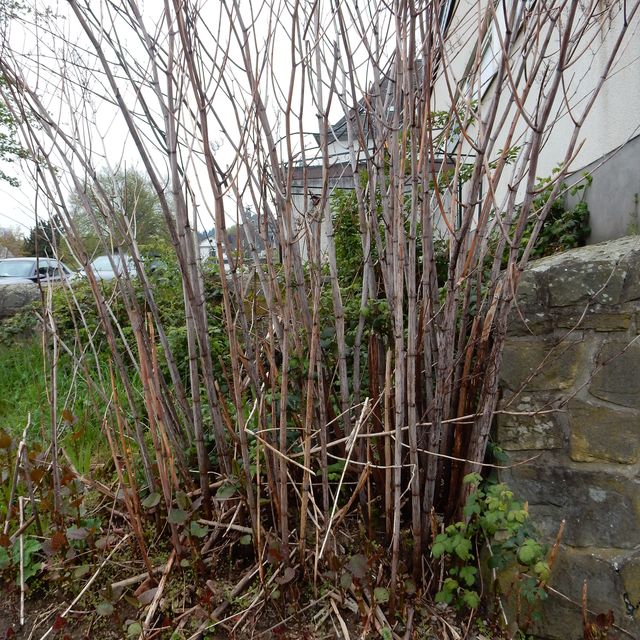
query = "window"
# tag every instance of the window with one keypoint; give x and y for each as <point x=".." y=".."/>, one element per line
<point x="446" y="13"/>
<point x="494" y="38"/>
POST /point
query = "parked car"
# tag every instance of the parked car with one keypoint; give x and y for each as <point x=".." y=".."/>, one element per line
<point x="33" y="270"/>
<point x="110" y="267"/>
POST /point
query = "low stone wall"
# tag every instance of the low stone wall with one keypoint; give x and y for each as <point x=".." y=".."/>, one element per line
<point x="571" y="397"/>
<point x="14" y="297"/>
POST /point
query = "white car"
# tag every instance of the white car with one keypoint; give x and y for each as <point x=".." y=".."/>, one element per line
<point x="34" y="270"/>
<point x="110" y="267"/>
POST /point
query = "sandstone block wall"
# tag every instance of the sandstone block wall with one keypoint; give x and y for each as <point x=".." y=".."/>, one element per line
<point x="14" y="297"/>
<point x="571" y="401"/>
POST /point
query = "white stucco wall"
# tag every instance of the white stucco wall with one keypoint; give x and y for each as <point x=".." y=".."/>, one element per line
<point x="614" y="119"/>
<point x="615" y="116"/>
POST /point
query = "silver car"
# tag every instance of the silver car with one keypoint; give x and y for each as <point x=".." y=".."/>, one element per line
<point x="34" y="270"/>
<point x="110" y="267"/>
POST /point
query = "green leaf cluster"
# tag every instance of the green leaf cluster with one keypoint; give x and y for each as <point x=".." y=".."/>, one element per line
<point x="564" y="227"/>
<point x="494" y="520"/>
<point x="10" y="558"/>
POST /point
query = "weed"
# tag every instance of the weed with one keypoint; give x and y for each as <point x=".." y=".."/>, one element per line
<point x="10" y="559"/>
<point x="495" y="520"/>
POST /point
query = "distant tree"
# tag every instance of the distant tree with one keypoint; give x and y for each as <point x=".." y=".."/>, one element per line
<point x="10" y="147"/>
<point x="43" y="239"/>
<point x="12" y="241"/>
<point x="207" y="235"/>
<point x="117" y="207"/>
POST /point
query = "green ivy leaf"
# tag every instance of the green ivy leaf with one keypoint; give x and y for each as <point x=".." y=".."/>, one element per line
<point x="104" y="609"/>
<point x="410" y="586"/>
<point x="542" y="570"/>
<point x="182" y="500"/>
<point x="450" y="584"/>
<point x="226" y="491"/>
<point x="177" y="516"/>
<point x="345" y="580"/>
<point x="386" y="633"/>
<point x="444" y="596"/>
<point x="197" y="530"/>
<point x="463" y="549"/>
<point x="4" y="559"/>
<point x="81" y="571"/>
<point x="77" y="533"/>
<point x="30" y="547"/>
<point x="472" y="478"/>
<point x="381" y="595"/>
<point x="468" y="574"/>
<point x="152" y="500"/>
<point x="529" y="552"/>
<point x="471" y="599"/>
<point x="358" y="566"/>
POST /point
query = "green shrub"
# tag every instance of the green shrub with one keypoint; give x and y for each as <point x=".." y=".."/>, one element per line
<point x="564" y="228"/>
<point x="496" y="521"/>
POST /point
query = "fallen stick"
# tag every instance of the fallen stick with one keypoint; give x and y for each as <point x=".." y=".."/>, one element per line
<point x="213" y="485"/>
<point x="297" y="613"/>
<point x="407" y="633"/>
<point x="89" y="482"/>
<point x="341" y="622"/>
<point x="22" y="529"/>
<point x="14" y="479"/>
<point x="246" y="580"/>
<point x="591" y="611"/>
<point x="222" y="525"/>
<point x="375" y="612"/>
<point x="158" y="594"/>
<point x="128" y="582"/>
<point x="89" y="583"/>
<point x="454" y="633"/>
<point x="22" y="584"/>
<point x="239" y="588"/>
<point x="352" y="437"/>
<point x="345" y="602"/>
<point x="208" y="625"/>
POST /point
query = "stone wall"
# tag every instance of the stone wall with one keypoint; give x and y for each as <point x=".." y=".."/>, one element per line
<point x="14" y="297"/>
<point x="571" y="402"/>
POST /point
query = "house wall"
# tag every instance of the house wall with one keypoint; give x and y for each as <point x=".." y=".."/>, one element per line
<point x="610" y="130"/>
<point x="305" y="211"/>
<point x="614" y="196"/>
<point x="570" y="415"/>
<point x="205" y="250"/>
<point x="305" y="188"/>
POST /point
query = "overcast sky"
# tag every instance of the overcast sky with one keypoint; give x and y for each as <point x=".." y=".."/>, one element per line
<point x="104" y="126"/>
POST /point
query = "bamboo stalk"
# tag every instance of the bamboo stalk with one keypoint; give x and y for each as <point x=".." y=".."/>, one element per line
<point x="23" y="585"/>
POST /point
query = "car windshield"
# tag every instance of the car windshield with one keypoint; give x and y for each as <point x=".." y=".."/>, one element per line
<point x="16" y="268"/>
<point x="102" y="263"/>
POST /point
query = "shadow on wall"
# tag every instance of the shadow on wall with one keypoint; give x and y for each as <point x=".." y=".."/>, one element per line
<point x="614" y="196"/>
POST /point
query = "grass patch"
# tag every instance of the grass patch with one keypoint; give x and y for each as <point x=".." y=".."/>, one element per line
<point x="23" y="391"/>
<point x="22" y="386"/>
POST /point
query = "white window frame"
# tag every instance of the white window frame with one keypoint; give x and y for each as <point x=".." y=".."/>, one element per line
<point x="491" y="47"/>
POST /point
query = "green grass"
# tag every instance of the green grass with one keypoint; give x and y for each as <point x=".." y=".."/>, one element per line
<point x="22" y="386"/>
<point x="23" y="391"/>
